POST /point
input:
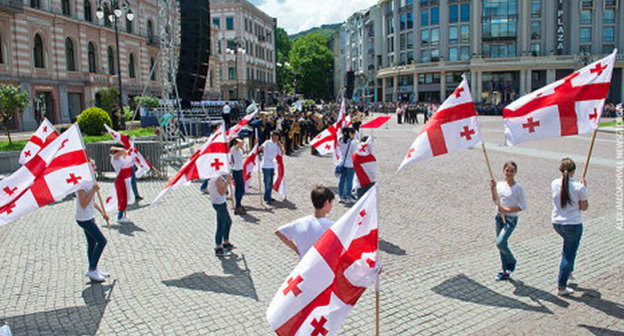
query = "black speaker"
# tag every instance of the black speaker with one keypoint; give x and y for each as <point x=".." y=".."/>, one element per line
<point x="194" y="49"/>
<point x="350" y="80"/>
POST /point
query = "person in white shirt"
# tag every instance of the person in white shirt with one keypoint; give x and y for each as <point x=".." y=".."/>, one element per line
<point x="120" y="159"/>
<point x="226" y="115"/>
<point x="569" y="198"/>
<point x="347" y="145"/>
<point x="238" y="159"/>
<point x="512" y="201"/>
<point x="217" y="187"/>
<point x="85" y="217"/>
<point x="270" y="148"/>
<point x="301" y="234"/>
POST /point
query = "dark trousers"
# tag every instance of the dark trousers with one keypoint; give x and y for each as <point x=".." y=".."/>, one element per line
<point x="95" y="242"/>
<point x="239" y="186"/>
<point x="133" y="183"/>
<point x="267" y="177"/>
<point x="224" y="223"/>
<point x="571" y="235"/>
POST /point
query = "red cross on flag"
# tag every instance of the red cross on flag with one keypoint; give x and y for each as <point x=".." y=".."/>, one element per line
<point x="234" y="130"/>
<point x="251" y="164"/>
<point x="119" y="196"/>
<point x="210" y="160"/>
<point x="569" y="106"/>
<point x="67" y="172"/>
<point x="142" y="165"/>
<point x="452" y="128"/>
<point x="365" y="164"/>
<point x="320" y="292"/>
<point x="327" y="141"/>
<point x="279" y="184"/>
<point x="44" y="135"/>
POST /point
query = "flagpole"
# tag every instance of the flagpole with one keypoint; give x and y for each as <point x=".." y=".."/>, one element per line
<point x="591" y="148"/>
<point x="487" y="161"/>
<point x="84" y="149"/>
<point x="227" y="146"/>
<point x="259" y="178"/>
<point x="377" y="278"/>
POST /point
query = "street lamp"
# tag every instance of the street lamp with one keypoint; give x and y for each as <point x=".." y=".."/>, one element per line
<point x="238" y="48"/>
<point x="119" y="7"/>
<point x="398" y="68"/>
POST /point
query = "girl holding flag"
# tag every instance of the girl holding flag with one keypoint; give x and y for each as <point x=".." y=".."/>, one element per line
<point x="347" y="146"/>
<point x="238" y="160"/>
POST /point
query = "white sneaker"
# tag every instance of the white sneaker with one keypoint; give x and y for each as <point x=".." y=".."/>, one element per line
<point x="565" y="291"/>
<point x="95" y="276"/>
<point x="123" y="220"/>
<point x="104" y="274"/>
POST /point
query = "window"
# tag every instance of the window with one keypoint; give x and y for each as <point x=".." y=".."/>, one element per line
<point x="586" y="17"/>
<point x="88" y="15"/>
<point x="402" y="42"/>
<point x="587" y="3"/>
<point x="536" y="8"/>
<point x="38" y="52"/>
<point x="499" y="19"/>
<point x="220" y="74"/>
<point x="453" y="13"/>
<point x="465" y="13"/>
<point x="150" y="31"/>
<point x="131" y="72"/>
<point x="91" y="57"/>
<point x="435" y="55"/>
<point x="453" y="34"/>
<point x="453" y="54"/>
<point x="35" y="4"/>
<point x="111" y="60"/>
<point x="464" y="53"/>
<point x="410" y="40"/>
<point x="607" y="48"/>
<point x="153" y="70"/>
<point x="435" y="36"/>
<point x="424" y="38"/>
<point x="229" y="23"/>
<point x="128" y="26"/>
<point x="609" y="16"/>
<point x="65" y="7"/>
<point x="425" y="56"/>
<point x="69" y="55"/>
<point x="402" y="22"/>
<point x="435" y="16"/>
<point x="216" y="22"/>
<point x="424" y="18"/>
<point x="107" y="14"/>
<point x="390" y="26"/>
<point x="585" y="35"/>
<point x="464" y="34"/>
<point x="410" y="57"/>
<point x="410" y="20"/>
<point x="231" y="73"/>
<point x="1" y="54"/>
<point x="535" y="49"/>
<point x="497" y="50"/>
<point x="535" y="30"/>
<point x="608" y="34"/>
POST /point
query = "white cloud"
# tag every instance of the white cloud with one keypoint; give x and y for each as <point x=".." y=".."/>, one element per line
<point x="298" y="15"/>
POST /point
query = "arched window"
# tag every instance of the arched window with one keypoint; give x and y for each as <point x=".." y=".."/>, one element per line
<point x="111" y="61"/>
<point x="128" y="26"/>
<point x="35" y="4"/>
<point x="152" y="67"/>
<point x="38" y="52"/>
<point x="107" y="13"/>
<point x="65" y="7"/>
<point x="91" y="57"/>
<point x="87" y="11"/>
<point x="131" y="72"/>
<point x="150" y="31"/>
<point x="69" y="55"/>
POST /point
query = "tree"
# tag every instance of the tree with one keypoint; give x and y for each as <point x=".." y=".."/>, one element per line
<point x="109" y="97"/>
<point x="13" y="100"/>
<point x="284" y="75"/>
<point x="312" y="63"/>
<point x="282" y="41"/>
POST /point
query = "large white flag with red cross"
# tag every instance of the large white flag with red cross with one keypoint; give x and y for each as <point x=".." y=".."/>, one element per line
<point x="143" y="166"/>
<point x="68" y="171"/>
<point x="210" y="160"/>
<point x="279" y="184"/>
<point x="320" y="292"/>
<point x="365" y="164"/>
<point x="119" y="196"/>
<point x="45" y="134"/>
<point x="452" y="128"/>
<point x="251" y="164"/>
<point x="327" y="141"/>
<point x="234" y="130"/>
<point x="569" y="106"/>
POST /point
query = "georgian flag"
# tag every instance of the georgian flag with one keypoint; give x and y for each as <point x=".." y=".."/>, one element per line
<point x="320" y="292"/>
<point x="569" y="106"/>
<point x="252" y="162"/>
<point x="45" y="134"/>
<point x="452" y="128"/>
<point x="365" y="164"/>
<point x="119" y="196"/>
<point x="234" y="130"/>
<point x="279" y="184"/>
<point x="68" y="171"/>
<point x="139" y="161"/>
<point x="211" y="160"/>
<point x="327" y="141"/>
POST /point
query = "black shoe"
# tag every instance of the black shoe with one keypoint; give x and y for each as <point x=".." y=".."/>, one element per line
<point x="138" y="198"/>
<point x="228" y="246"/>
<point x="221" y="252"/>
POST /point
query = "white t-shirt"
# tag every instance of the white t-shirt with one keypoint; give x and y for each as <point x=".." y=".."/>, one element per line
<point x="305" y="232"/>
<point x="215" y="196"/>
<point x="347" y="157"/>
<point x="271" y="149"/>
<point x="571" y="214"/>
<point x="226" y="109"/>
<point x="511" y="197"/>
<point x="87" y="213"/>
<point x="121" y="162"/>
<point x="237" y="159"/>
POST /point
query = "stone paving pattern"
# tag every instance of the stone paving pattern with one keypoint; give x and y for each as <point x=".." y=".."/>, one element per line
<point x="437" y="238"/>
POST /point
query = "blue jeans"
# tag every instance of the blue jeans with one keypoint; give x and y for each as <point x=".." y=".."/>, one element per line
<point x="267" y="177"/>
<point x="345" y="184"/>
<point x="224" y="223"/>
<point x="204" y="185"/>
<point x="503" y="231"/>
<point x="571" y="235"/>
<point x="239" y="186"/>
<point x="133" y="183"/>
<point x="95" y="242"/>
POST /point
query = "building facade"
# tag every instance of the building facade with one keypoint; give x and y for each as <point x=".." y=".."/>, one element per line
<point x="60" y="52"/>
<point x="506" y="48"/>
<point x="245" y="47"/>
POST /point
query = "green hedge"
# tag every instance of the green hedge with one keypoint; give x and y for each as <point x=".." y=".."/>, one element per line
<point x="92" y="120"/>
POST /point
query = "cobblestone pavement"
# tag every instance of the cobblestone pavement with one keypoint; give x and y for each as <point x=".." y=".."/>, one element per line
<point x="437" y="238"/>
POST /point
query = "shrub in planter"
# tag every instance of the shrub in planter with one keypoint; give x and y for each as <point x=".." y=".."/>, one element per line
<point x="92" y="120"/>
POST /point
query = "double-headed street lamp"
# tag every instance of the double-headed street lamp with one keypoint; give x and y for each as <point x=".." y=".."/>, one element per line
<point x="237" y="48"/>
<point x="119" y="8"/>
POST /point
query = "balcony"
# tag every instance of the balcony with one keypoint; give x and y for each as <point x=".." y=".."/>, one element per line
<point x="101" y="79"/>
<point x="11" y="6"/>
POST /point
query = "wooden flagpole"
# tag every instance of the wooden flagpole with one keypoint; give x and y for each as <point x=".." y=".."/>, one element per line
<point x="377" y="279"/>
<point x="259" y="172"/>
<point x="230" y="172"/>
<point x="487" y="161"/>
<point x="591" y="148"/>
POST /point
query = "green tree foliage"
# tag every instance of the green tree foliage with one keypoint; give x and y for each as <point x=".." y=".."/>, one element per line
<point x="147" y="101"/>
<point x="91" y="121"/>
<point x="109" y="97"/>
<point x="13" y="100"/>
<point x="312" y="62"/>
<point x="285" y="74"/>
<point x="282" y="41"/>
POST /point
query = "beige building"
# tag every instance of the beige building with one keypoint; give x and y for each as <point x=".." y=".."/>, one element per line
<point x="61" y="53"/>
<point x="245" y="47"/>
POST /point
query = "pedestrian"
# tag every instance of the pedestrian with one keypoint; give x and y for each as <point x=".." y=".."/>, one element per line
<point x="569" y="198"/>
<point x="236" y="148"/>
<point x="512" y="201"/>
<point x="399" y="111"/>
<point x="119" y="160"/>
<point x="214" y="126"/>
<point x="85" y="217"/>
<point x="301" y="234"/>
<point x="347" y="145"/>
<point x="270" y="149"/>
<point x="217" y="188"/>
<point x="226" y="114"/>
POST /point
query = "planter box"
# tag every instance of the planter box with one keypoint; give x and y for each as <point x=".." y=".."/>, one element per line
<point x="9" y="162"/>
<point x="151" y="151"/>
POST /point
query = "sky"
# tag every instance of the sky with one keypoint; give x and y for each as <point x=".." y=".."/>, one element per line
<point x="298" y="15"/>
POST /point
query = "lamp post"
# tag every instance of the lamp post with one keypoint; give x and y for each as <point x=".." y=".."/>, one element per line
<point x="119" y="8"/>
<point x="399" y="68"/>
<point x="238" y="47"/>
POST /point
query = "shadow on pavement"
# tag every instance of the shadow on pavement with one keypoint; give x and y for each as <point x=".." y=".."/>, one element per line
<point x="536" y="294"/>
<point x="137" y="206"/>
<point x="390" y="248"/>
<point x="81" y="320"/>
<point x="127" y="229"/>
<point x="284" y="204"/>
<point x="239" y="284"/>
<point x="592" y="298"/>
<point x="461" y="287"/>
<point x="601" y="331"/>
